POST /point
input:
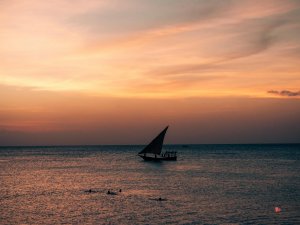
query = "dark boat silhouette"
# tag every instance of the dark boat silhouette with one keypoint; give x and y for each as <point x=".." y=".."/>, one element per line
<point x="154" y="149"/>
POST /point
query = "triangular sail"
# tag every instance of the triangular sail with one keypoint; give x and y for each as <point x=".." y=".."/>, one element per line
<point x="155" y="145"/>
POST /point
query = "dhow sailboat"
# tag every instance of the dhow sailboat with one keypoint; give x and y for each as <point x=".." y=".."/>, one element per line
<point x="152" y="152"/>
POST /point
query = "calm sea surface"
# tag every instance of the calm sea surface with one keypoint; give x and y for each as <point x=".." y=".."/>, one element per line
<point x="209" y="184"/>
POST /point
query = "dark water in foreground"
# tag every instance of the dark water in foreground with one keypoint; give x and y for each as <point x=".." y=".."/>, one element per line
<point x="209" y="184"/>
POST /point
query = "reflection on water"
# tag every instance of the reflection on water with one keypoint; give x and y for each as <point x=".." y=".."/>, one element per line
<point x="209" y="184"/>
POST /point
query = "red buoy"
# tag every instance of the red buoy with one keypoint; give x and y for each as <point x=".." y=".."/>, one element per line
<point x="277" y="209"/>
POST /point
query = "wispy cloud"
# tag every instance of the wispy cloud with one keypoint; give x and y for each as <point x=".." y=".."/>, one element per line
<point x="142" y="15"/>
<point x="114" y="46"/>
<point x="114" y="29"/>
<point x="286" y="93"/>
<point x="256" y="39"/>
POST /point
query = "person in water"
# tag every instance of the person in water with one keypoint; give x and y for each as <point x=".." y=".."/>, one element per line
<point x="109" y="192"/>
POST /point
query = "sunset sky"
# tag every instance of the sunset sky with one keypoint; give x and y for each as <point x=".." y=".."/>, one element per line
<point x="119" y="71"/>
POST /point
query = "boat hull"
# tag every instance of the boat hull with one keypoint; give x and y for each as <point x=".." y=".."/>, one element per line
<point x="150" y="158"/>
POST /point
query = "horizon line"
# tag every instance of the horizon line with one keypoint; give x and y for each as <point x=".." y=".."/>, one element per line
<point x="94" y="145"/>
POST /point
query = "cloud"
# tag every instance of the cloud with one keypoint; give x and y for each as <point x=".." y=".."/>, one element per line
<point x="285" y="93"/>
<point x="134" y="22"/>
<point x="256" y="38"/>
<point x="140" y="15"/>
<point x="111" y="47"/>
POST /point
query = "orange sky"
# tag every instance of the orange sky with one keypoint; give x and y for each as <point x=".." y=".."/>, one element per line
<point x="99" y="72"/>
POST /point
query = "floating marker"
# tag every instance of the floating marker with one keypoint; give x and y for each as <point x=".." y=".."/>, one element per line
<point x="277" y="209"/>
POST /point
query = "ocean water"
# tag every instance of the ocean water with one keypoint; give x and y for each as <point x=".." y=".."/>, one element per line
<point x="209" y="184"/>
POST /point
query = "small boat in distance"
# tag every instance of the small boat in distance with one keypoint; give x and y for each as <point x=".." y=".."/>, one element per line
<point x="154" y="149"/>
